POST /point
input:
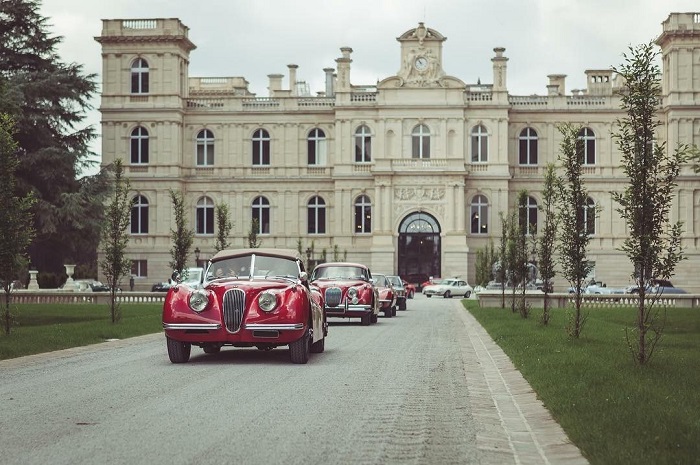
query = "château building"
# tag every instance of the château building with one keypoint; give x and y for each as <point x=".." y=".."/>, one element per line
<point x="408" y="175"/>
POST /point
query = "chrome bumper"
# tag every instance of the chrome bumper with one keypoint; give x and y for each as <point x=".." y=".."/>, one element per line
<point x="274" y="327"/>
<point x="186" y="326"/>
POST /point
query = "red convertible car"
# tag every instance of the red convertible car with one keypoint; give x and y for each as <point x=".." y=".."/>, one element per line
<point x="347" y="290"/>
<point x="248" y="298"/>
<point x="387" y="295"/>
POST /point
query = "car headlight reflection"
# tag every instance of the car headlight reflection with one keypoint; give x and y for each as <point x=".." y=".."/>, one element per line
<point x="198" y="300"/>
<point x="352" y="294"/>
<point x="267" y="301"/>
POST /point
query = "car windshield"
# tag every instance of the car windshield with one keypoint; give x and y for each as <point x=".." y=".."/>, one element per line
<point x="254" y="266"/>
<point x="338" y="272"/>
<point x="395" y="280"/>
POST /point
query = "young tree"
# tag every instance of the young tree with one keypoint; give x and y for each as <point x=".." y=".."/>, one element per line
<point x="115" y="239"/>
<point x="485" y="260"/>
<point x="500" y="270"/>
<point x="544" y="247"/>
<point x="48" y="100"/>
<point x="16" y="222"/>
<point x="224" y="226"/>
<point x="574" y="237"/>
<point x="182" y="237"/>
<point x="253" y="241"/>
<point x="521" y="252"/>
<point x="654" y="242"/>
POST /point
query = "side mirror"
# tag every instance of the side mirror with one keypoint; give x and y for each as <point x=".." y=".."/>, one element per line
<point x="175" y="276"/>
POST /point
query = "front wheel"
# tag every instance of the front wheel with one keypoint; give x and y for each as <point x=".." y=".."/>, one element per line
<point x="299" y="349"/>
<point x="468" y="294"/>
<point x="447" y="295"/>
<point x="179" y="352"/>
<point x="428" y="295"/>
<point x="388" y="312"/>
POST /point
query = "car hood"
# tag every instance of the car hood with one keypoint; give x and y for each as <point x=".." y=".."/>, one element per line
<point x="325" y="283"/>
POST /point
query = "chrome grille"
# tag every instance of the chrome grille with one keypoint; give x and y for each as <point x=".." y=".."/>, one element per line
<point x="333" y="296"/>
<point x="234" y="306"/>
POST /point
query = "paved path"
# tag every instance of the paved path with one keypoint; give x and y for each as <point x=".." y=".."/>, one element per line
<point x="514" y="422"/>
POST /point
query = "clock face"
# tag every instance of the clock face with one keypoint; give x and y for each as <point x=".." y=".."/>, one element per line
<point x="421" y="63"/>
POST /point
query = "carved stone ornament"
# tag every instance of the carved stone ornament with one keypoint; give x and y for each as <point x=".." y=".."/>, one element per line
<point x="421" y="68"/>
<point x="419" y="193"/>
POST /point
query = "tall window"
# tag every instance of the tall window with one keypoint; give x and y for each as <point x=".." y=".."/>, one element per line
<point x="139" y="268"/>
<point x="316" y="144"/>
<point x="205" y="216"/>
<point x="363" y="215"/>
<point x="205" y="148"/>
<point x="588" y="214"/>
<point x="587" y="136"/>
<point x="139" y="145"/>
<point x="420" y="142"/>
<point x="479" y="215"/>
<point x="139" y="215"/>
<point x="480" y="144"/>
<point x="261" y="148"/>
<point x="139" y="76"/>
<point x="528" y="216"/>
<point x="316" y="215"/>
<point x="261" y="214"/>
<point x="363" y="145"/>
<point x="527" y="147"/>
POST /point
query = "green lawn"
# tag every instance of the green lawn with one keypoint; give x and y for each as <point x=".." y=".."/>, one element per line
<point x="615" y="411"/>
<point x="41" y="328"/>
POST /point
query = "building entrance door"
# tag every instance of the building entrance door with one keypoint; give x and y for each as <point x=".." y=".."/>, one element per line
<point x="419" y="248"/>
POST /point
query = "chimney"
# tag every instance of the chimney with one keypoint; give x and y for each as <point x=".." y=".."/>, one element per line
<point x="330" y="91"/>
<point x="559" y="81"/>
<point x="275" y="84"/>
<point x="293" y="79"/>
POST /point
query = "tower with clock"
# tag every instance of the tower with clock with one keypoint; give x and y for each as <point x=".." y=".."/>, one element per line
<point x="421" y="57"/>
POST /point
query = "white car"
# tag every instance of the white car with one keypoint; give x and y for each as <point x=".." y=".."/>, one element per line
<point x="449" y="287"/>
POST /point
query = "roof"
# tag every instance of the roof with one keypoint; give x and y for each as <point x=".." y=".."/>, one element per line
<point x="228" y="253"/>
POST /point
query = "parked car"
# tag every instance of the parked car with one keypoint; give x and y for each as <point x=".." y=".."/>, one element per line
<point x="658" y="286"/>
<point x="348" y="291"/>
<point x="599" y="287"/>
<point x="429" y="282"/>
<point x="410" y="289"/>
<point x="416" y="279"/>
<point x="448" y="288"/>
<point x="91" y="285"/>
<point x="387" y="296"/>
<point x="161" y="287"/>
<point x="399" y="291"/>
<point x="269" y="304"/>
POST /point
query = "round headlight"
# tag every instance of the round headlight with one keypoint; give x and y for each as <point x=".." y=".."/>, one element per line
<point x="198" y="300"/>
<point x="267" y="301"/>
<point x="352" y="292"/>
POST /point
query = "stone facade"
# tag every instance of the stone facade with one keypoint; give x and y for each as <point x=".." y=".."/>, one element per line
<point x="408" y="175"/>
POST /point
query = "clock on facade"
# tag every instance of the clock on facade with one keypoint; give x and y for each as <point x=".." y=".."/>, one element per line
<point x="421" y="63"/>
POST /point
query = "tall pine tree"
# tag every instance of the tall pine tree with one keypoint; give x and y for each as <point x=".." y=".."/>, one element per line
<point x="48" y="100"/>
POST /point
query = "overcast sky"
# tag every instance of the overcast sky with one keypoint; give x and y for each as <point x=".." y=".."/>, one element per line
<point x="254" y="38"/>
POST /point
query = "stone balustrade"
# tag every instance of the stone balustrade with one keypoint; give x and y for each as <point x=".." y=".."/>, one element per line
<point x="26" y="296"/>
<point x="490" y="299"/>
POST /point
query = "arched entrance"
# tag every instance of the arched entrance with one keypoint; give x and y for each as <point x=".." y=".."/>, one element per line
<point x="419" y="247"/>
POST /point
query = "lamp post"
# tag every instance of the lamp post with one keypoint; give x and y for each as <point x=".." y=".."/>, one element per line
<point x="196" y="256"/>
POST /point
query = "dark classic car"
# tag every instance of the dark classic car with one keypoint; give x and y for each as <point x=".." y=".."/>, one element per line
<point x="248" y="298"/>
<point x="399" y="290"/>
<point x="387" y="294"/>
<point x="348" y="291"/>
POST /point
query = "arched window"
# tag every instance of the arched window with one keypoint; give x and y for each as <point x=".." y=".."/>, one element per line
<point x="261" y="148"/>
<point x="528" y="216"/>
<point x="587" y="136"/>
<point x="588" y="216"/>
<point x="139" y="146"/>
<point x="316" y="216"/>
<point x="420" y="142"/>
<point x="316" y="144"/>
<point x="205" y="216"/>
<point x="139" y="76"/>
<point x="139" y="215"/>
<point x="205" y="148"/>
<point x="261" y="214"/>
<point x="363" y="145"/>
<point x="363" y="215"/>
<point x="480" y="144"/>
<point x="527" y="147"/>
<point x="479" y="215"/>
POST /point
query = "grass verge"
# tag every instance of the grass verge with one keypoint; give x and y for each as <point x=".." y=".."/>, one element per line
<point x="613" y="410"/>
<point x="41" y="328"/>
